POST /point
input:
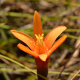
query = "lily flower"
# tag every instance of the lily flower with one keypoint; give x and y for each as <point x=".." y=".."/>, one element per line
<point x="40" y="47"/>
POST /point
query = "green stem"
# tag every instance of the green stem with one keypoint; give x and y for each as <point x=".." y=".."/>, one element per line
<point x="5" y="75"/>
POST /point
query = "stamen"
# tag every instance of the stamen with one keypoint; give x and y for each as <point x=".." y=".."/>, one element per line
<point x="39" y="39"/>
<point x="40" y="47"/>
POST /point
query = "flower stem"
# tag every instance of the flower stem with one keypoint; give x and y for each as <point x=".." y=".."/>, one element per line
<point x="42" y="68"/>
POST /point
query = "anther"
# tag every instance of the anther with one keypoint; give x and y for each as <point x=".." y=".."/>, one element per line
<point x="39" y="39"/>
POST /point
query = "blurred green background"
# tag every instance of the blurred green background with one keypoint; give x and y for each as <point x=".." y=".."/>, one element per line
<point x="18" y="15"/>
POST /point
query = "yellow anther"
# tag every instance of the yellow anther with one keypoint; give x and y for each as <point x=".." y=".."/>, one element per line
<point x="39" y="39"/>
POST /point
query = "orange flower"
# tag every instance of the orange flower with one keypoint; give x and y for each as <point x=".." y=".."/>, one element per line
<point x="41" y="47"/>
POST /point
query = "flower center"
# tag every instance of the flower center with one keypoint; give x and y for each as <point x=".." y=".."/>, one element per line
<point x="39" y="39"/>
<point x="40" y="47"/>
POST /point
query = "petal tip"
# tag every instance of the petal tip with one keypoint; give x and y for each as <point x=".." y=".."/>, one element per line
<point x="64" y="36"/>
<point x="43" y="57"/>
<point x="35" y="12"/>
<point x="64" y="27"/>
<point x="12" y="31"/>
<point x="19" y="44"/>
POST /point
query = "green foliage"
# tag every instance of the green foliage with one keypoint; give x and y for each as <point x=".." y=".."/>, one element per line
<point x="5" y="26"/>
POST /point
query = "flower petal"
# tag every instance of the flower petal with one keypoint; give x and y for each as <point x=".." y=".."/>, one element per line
<point x="52" y="35"/>
<point x="57" y="44"/>
<point x="25" y="38"/>
<point x="37" y="25"/>
<point x="43" y="57"/>
<point x="26" y="49"/>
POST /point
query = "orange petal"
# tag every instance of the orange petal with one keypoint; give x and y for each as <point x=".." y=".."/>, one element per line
<point x="52" y="35"/>
<point x="57" y="44"/>
<point x="26" y="49"/>
<point x="25" y="38"/>
<point x="43" y="57"/>
<point x="37" y="25"/>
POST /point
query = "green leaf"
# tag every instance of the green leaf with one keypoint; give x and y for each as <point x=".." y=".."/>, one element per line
<point x="70" y="36"/>
<point x="72" y="30"/>
<point x="5" y="26"/>
<point x="30" y="78"/>
<point x="21" y="65"/>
